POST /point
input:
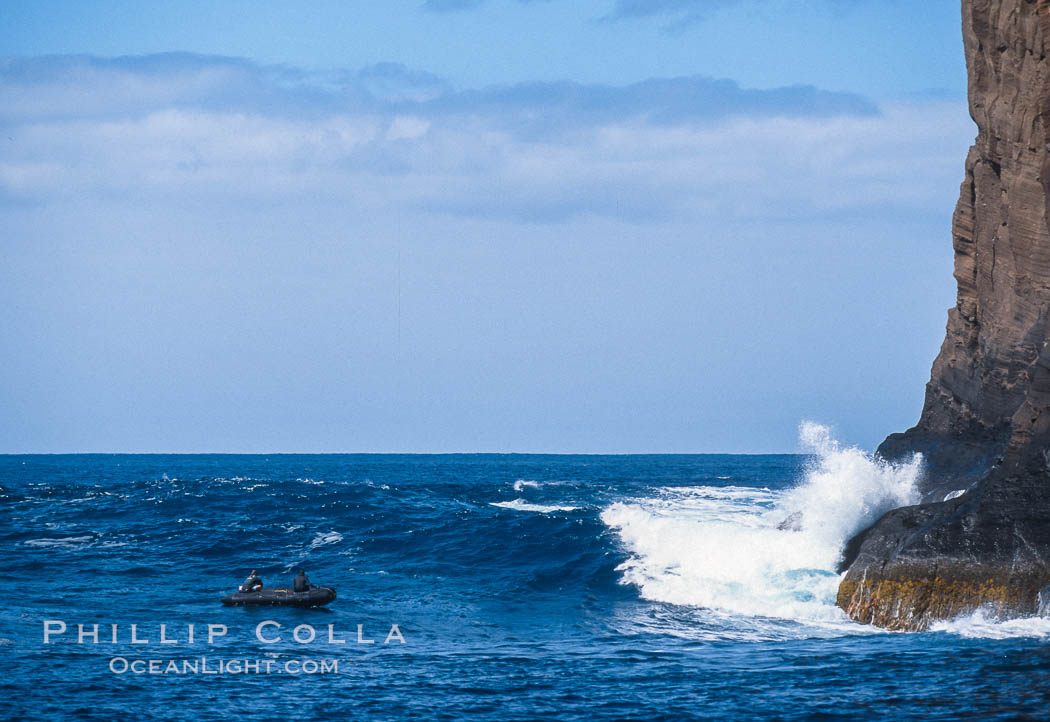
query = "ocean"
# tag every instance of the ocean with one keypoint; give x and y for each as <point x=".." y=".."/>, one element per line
<point x="475" y="587"/>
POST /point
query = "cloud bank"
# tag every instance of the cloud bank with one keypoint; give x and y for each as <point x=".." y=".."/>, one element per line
<point x="207" y="127"/>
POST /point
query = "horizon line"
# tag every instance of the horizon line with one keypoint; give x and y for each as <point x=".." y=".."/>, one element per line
<point x="404" y="453"/>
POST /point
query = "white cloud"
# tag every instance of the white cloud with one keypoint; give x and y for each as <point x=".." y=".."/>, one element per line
<point x="473" y="163"/>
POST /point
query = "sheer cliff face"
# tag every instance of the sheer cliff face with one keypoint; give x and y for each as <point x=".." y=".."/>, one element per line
<point x="991" y="380"/>
<point x="985" y="425"/>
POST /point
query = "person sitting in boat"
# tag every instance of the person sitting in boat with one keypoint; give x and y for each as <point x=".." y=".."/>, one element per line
<point x="252" y="583"/>
<point x="301" y="583"/>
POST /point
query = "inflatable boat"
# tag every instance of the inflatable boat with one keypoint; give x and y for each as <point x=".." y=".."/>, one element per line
<point x="314" y="597"/>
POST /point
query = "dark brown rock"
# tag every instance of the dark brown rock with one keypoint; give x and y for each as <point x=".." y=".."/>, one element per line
<point x="988" y="548"/>
<point x="985" y="423"/>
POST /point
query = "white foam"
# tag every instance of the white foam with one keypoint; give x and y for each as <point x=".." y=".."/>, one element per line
<point x="954" y="494"/>
<point x="522" y="483"/>
<point x="66" y="542"/>
<point x="981" y="625"/>
<point x="332" y="537"/>
<point x="847" y="489"/>
<point x="522" y="505"/>
<point x="720" y="547"/>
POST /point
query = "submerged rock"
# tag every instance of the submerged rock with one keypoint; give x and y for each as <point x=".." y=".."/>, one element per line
<point x="985" y="424"/>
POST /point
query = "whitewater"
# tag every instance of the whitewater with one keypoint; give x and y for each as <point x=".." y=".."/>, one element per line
<point x="756" y="552"/>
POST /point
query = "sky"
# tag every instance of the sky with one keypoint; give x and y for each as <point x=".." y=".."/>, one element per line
<point x="600" y="226"/>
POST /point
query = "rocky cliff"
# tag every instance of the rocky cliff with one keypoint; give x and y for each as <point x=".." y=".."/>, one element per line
<point x="985" y="424"/>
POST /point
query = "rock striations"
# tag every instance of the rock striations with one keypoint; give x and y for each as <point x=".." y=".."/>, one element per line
<point x="985" y="425"/>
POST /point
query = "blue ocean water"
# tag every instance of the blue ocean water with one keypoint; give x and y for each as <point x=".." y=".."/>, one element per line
<point x="523" y="586"/>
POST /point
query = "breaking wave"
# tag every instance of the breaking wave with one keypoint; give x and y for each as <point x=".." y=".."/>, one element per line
<point x="758" y="552"/>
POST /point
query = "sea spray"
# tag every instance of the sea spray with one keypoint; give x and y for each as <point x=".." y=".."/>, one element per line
<point x="845" y="490"/>
<point x="729" y="548"/>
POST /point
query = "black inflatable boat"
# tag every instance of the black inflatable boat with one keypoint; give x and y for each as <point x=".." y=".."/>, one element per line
<point x="315" y="597"/>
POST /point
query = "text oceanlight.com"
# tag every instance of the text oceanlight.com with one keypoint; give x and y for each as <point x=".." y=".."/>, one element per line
<point x="203" y="665"/>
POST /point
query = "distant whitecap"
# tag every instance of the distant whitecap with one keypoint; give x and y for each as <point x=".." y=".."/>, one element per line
<point x="523" y="483"/>
<point x="332" y="537"/>
<point x="522" y="505"/>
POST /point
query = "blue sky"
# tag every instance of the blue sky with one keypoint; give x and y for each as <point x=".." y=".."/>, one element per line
<point x="506" y="225"/>
<point x="881" y="48"/>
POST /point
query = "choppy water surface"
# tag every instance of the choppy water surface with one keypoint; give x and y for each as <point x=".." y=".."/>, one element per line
<point x="620" y="587"/>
